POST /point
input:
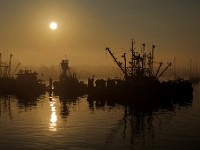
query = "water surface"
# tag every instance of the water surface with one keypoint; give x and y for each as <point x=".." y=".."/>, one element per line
<point x="61" y="123"/>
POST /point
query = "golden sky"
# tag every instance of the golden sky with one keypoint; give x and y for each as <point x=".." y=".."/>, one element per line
<point x="86" y="27"/>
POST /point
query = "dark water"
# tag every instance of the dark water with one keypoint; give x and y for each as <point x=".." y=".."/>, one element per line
<point x="46" y="123"/>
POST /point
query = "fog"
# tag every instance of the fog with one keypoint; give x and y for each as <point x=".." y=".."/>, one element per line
<point x="86" y="27"/>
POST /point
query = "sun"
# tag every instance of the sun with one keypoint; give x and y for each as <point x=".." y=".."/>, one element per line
<point x="53" y="25"/>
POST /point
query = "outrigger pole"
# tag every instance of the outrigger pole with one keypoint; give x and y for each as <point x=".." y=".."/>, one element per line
<point x="118" y="63"/>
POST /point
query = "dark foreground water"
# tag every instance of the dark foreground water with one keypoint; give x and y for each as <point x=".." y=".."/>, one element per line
<point x="49" y="123"/>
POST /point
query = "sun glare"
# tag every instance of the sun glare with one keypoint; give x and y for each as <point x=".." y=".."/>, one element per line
<point x="53" y="25"/>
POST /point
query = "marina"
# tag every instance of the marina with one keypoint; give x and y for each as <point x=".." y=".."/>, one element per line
<point x="140" y="82"/>
<point x="99" y="75"/>
<point x="128" y="113"/>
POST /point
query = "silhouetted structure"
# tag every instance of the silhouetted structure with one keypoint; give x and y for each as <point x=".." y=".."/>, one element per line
<point x="140" y="79"/>
<point x="7" y="82"/>
<point x="27" y="83"/>
<point x="68" y="84"/>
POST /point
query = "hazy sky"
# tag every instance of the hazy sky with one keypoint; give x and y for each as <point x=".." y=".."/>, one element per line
<point x="86" y="27"/>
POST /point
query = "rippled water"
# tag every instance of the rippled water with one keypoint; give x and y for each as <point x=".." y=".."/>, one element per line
<point x="59" y="123"/>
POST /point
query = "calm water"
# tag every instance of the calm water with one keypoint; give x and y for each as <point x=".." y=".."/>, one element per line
<point x="58" y="123"/>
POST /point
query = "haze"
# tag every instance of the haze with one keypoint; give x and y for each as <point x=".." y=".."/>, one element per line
<point x="86" y="27"/>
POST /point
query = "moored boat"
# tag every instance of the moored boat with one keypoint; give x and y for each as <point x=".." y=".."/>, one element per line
<point x="141" y="80"/>
<point x="68" y="84"/>
<point x="27" y="83"/>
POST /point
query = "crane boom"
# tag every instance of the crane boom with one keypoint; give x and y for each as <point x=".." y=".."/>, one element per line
<point x="15" y="69"/>
<point x="164" y="70"/>
<point x="115" y="59"/>
<point x="158" y="69"/>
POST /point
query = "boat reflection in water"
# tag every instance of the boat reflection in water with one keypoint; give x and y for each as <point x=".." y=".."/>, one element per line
<point x="141" y="117"/>
<point x="25" y="102"/>
<point x="6" y="105"/>
<point x="51" y="121"/>
<point x="62" y="100"/>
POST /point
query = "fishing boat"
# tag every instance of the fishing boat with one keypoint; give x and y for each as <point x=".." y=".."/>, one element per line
<point x="27" y="83"/>
<point x="68" y="84"/>
<point x="140" y="80"/>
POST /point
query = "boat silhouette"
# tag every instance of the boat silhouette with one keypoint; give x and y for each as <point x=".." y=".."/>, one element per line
<point x="140" y="79"/>
<point x="27" y="83"/>
<point x="68" y="84"/>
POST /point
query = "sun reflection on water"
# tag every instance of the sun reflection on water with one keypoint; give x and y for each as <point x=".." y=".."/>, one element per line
<point x="53" y="119"/>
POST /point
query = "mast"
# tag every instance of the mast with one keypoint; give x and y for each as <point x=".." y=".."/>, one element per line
<point x="9" y="66"/>
<point x="132" y="59"/>
<point x="152" y="58"/>
<point x="143" y="51"/>
<point x="125" y="69"/>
